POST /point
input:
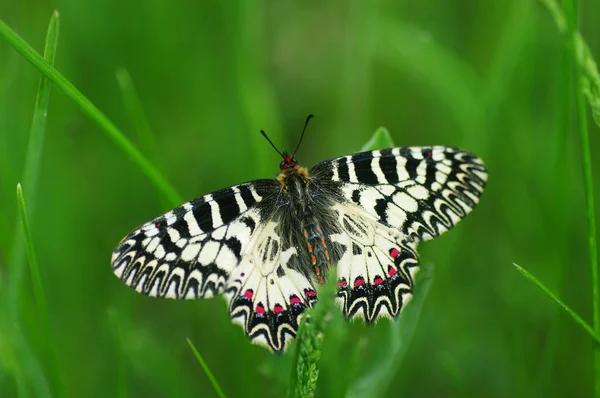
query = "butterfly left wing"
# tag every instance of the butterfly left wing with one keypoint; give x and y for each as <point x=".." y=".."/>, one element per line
<point x="391" y="199"/>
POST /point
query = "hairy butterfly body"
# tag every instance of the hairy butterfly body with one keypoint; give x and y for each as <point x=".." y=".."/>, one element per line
<point x="266" y="244"/>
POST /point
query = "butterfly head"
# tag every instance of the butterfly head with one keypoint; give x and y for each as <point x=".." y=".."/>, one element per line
<point x="288" y="163"/>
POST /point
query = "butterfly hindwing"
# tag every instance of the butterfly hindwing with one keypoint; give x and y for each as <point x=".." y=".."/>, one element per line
<point x="376" y="272"/>
<point x="266" y="292"/>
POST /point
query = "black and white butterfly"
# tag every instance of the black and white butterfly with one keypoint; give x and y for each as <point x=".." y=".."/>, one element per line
<point x="267" y="244"/>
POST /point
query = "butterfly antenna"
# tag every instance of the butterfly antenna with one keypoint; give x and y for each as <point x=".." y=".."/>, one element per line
<point x="271" y="142"/>
<point x="302" y="136"/>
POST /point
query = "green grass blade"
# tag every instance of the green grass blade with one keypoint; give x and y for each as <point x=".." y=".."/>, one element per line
<point x="134" y="107"/>
<point x="38" y="126"/>
<point x="32" y="165"/>
<point x="582" y="82"/>
<point x="588" y="69"/>
<point x="38" y="289"/>
<point x="36" y="278"/>
<point x="92" y="112"/>
<point x="558" y="301"/>
<point x="377" y="373"/>
<point x="206" y="369"/>
<point x="380" y="139"/>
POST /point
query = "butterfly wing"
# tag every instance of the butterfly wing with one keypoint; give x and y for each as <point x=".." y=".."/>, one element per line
<point x="391" y="199"/>
<point x="224" y="242"/>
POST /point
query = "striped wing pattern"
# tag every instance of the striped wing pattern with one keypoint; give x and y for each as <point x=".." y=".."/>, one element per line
<point x="393" y="199"/>
<point x="242" y="242"/>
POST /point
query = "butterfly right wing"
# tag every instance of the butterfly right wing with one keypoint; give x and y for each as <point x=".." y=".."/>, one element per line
<point x="390" y="200"/>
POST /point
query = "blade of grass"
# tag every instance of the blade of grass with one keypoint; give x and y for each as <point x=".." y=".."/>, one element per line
<point x="588" y="69"/>
<point x="558" y="301"/>
<point x="206" y="369"/>
<point x="587" y="86"/>
<point x="380" y="139"/>
<point x="38" y="290"/>
<point x="134" y="107"/>
<point x="32" y="165"/>
<point x="92" y="112"/>
<point x="581" y="83"/>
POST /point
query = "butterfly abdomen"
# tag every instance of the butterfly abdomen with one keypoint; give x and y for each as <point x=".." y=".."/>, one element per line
<point x="317" y="248"/>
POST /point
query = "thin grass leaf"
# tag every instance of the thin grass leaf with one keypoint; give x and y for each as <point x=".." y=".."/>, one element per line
<point x="376" y="376"/>
<point x="38" y="288"/>
<point x="582" y="90"/>
<point x="92" y="112"/>
<point x="558" y="301"/>
<point x="32" y="164"/>
<point x="588" y="69"/>
<point x="380" y="139"/>
<point x="587" y="81"/>
<point x="36" y="278"/>
<point x="206" y="369"/>
<point x="134" y="107"/>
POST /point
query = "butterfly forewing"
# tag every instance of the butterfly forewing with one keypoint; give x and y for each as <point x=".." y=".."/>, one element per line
<point x="266" y="244"/>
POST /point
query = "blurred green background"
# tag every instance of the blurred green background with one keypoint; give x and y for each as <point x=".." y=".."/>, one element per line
<point x="489" y="76"/>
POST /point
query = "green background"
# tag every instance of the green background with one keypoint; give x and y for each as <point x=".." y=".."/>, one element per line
<point x="490" y="76"/>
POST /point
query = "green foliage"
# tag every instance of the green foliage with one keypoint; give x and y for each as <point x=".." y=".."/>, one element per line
<point x="208" y="76"/>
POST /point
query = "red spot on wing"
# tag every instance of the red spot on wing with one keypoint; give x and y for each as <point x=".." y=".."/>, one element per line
<point x="278" y="309"/>
<point x="394" y="252"/>
<point x="260" y="309"/>
<point x="342" y="283"/>
<point x="157" y="225"/>
<point x="428" y="154"/>
<point x="392" y="271"/>
<point x="249" y="294"/>
<point x="378" y="281"/>
<point x="310" y="293"/>
<point x="295" y="300"/>
<point x="359" y="282"/>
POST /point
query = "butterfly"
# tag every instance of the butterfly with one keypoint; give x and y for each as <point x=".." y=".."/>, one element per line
<point x="266" y="245"/>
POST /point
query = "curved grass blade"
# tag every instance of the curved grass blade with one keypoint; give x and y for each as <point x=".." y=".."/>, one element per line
<point x="206" y="369"/>
<point x="134" y="107"/>
<point x="380" y="139"/>
<point x="38" y="288"/>
<point x="558" y="301"/>
<point x="92" y="112"/>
